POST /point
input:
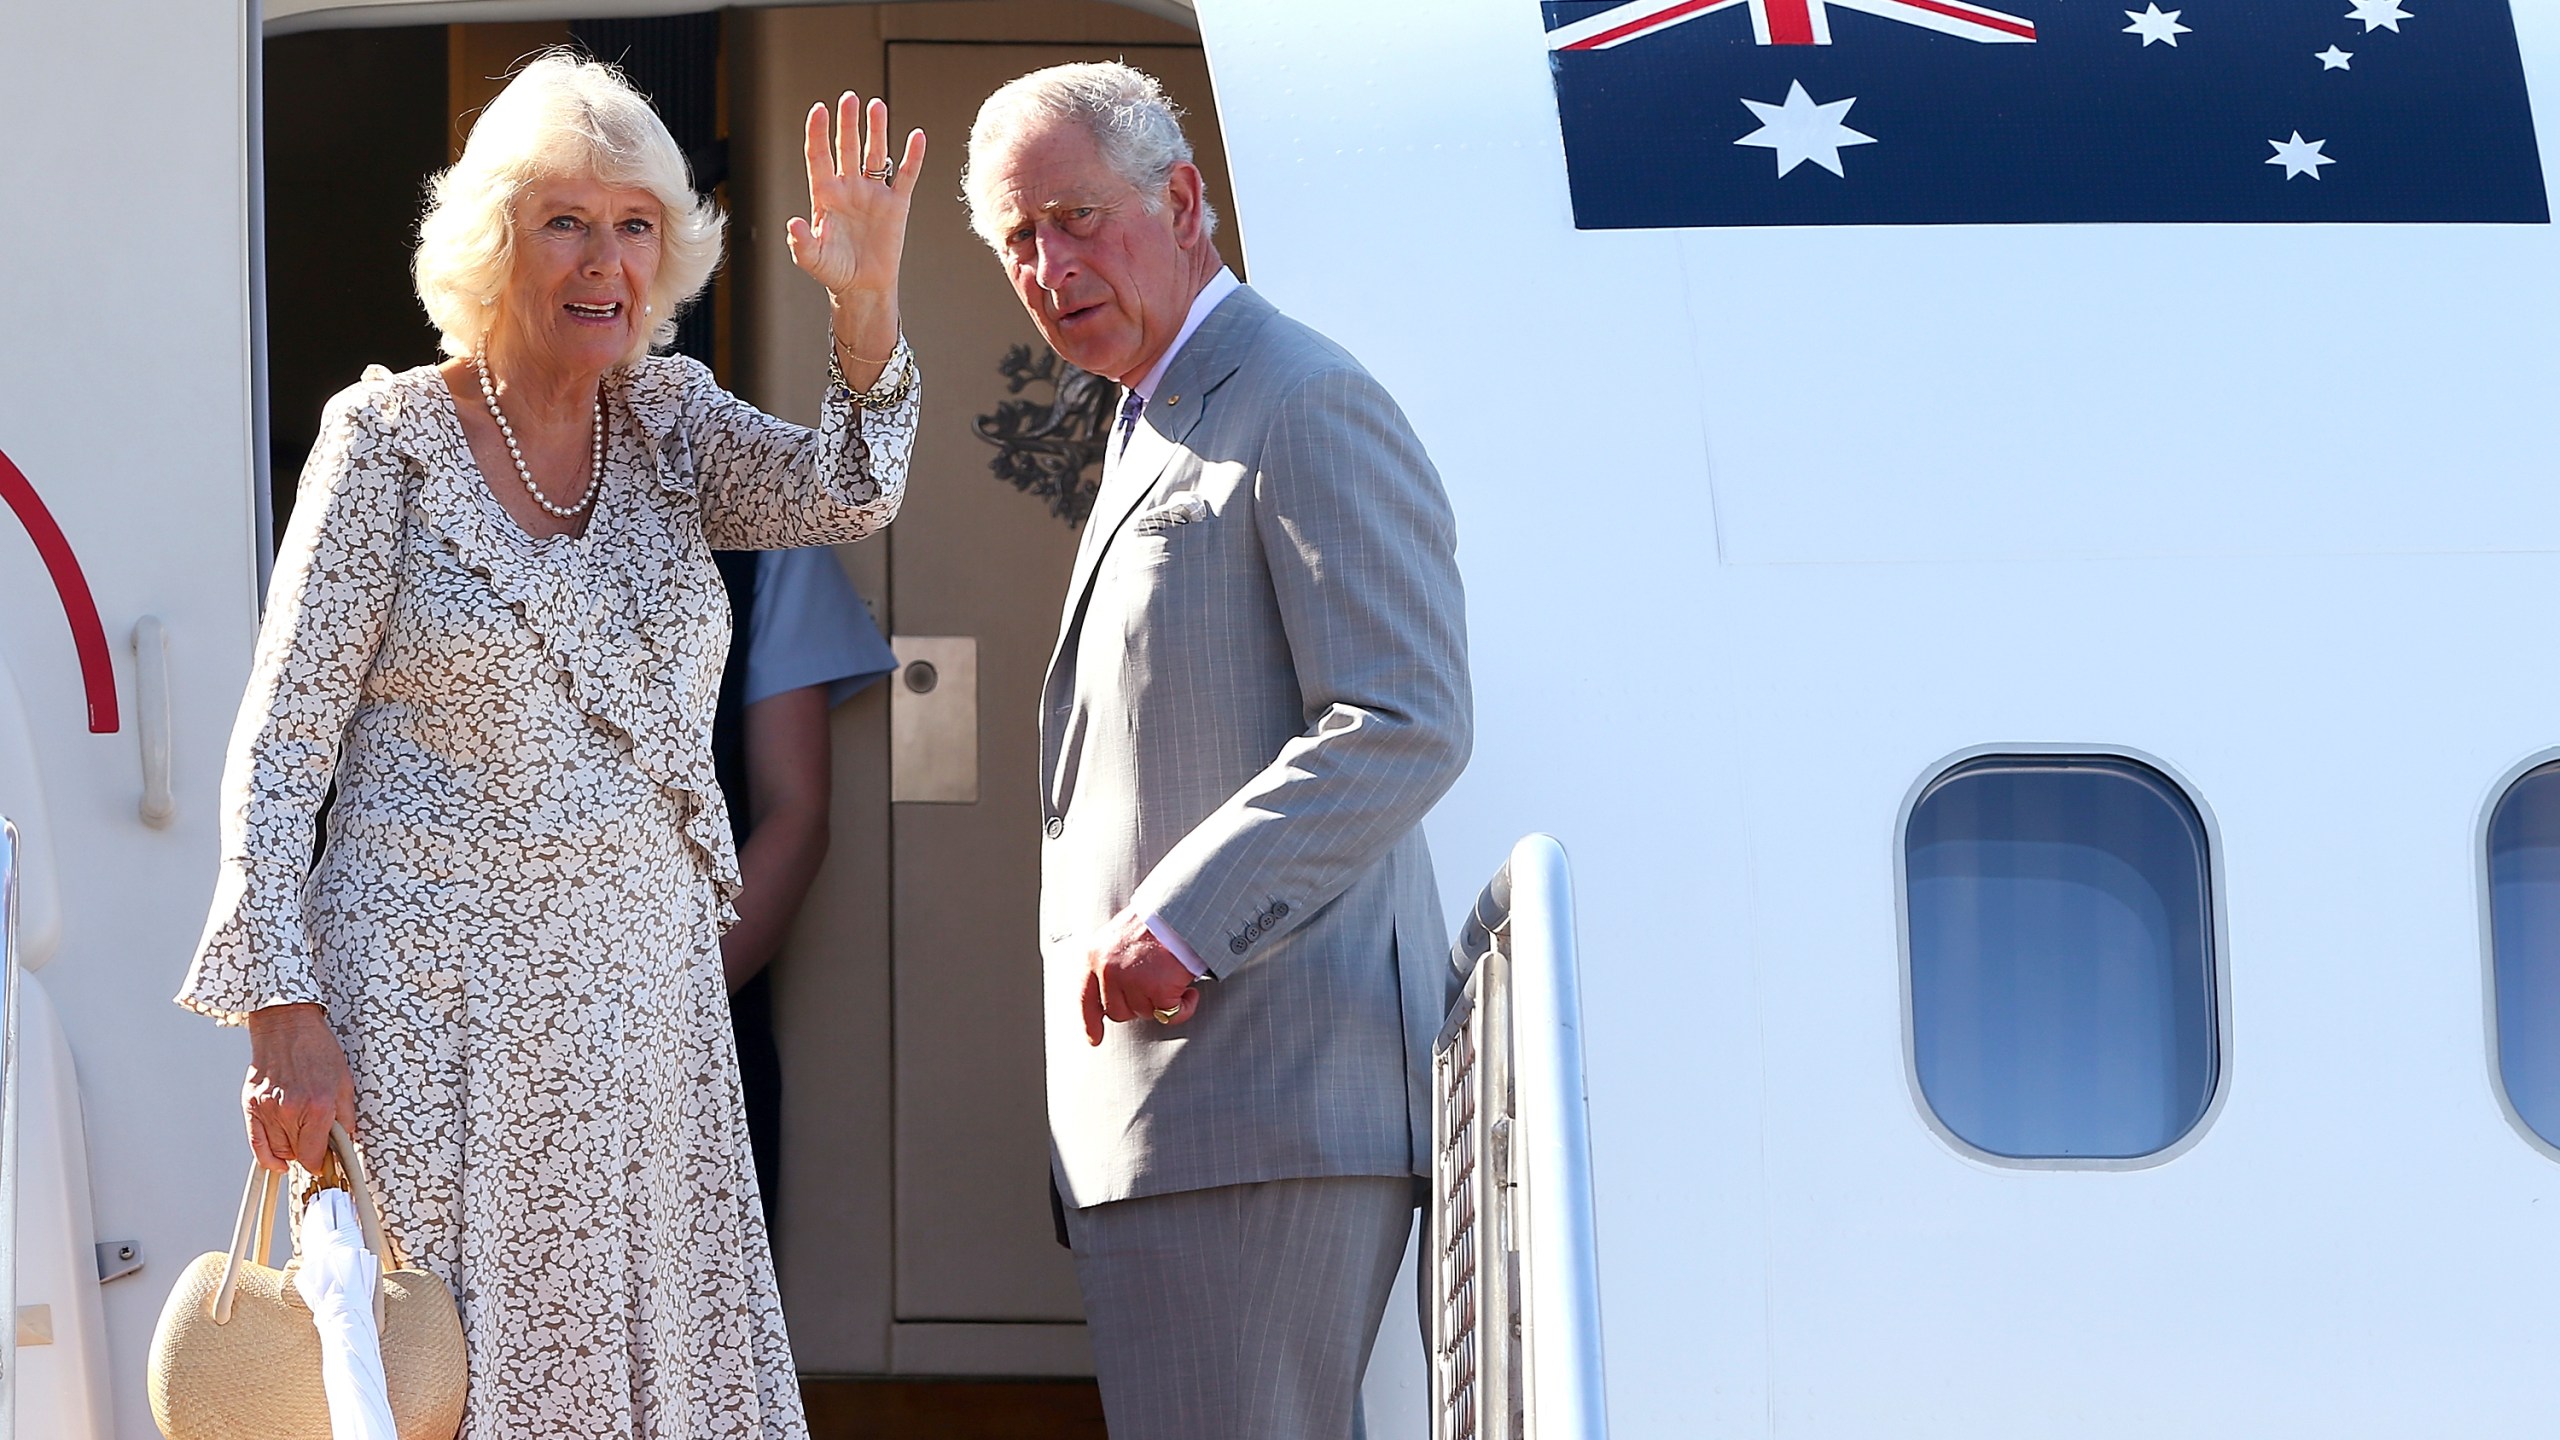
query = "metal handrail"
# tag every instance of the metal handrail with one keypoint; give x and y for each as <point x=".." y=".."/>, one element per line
<point x="1515" y="1332"/>
<point x="8" y="1128"/>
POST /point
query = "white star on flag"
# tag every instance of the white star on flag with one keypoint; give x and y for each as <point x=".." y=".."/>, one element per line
<point x="2334" y="58"/>
<point x="2299" y="156"/>
<point x="1800" y="130"/>
<point x="2379" y="15"/>
<point x="2152" y="25"/>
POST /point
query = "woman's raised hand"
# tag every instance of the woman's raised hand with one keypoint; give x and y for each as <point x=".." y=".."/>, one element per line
<point x="857" y="226"/>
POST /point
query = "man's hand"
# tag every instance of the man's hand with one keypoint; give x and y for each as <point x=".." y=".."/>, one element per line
<point x="1129" y="975"/>
<point x="298" y="1084"/>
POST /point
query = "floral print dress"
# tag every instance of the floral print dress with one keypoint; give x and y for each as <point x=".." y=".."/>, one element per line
<point x="515" y="926"/>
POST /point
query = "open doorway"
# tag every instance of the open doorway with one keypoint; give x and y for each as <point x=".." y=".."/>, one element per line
<point x="925" y="1291"/>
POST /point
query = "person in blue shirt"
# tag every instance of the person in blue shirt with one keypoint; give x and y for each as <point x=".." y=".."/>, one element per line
<point x="805" y="643"/>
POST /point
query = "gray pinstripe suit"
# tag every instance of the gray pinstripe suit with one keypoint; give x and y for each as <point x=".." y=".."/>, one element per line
<point x="1260" y="687"/>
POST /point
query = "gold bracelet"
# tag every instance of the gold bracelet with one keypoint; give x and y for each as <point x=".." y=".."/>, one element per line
<point x="881" y="396"/>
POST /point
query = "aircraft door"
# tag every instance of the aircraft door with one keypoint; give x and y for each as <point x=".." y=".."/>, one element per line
<point x="915" y="1238"/>
<point x="973" y="556"/>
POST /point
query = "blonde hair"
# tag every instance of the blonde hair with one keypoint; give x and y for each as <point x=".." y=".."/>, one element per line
<point x="1137" y="126"/>
<point x="562" y="115"/>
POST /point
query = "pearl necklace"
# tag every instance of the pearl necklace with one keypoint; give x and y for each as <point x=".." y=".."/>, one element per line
<point x="595" y="457"/>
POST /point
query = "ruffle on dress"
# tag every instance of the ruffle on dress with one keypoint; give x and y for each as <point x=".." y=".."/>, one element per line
<point x="632" y="616"/>
<point x="608" y="620"/>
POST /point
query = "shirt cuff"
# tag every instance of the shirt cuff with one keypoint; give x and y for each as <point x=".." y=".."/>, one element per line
<point x="1166" y="937"/>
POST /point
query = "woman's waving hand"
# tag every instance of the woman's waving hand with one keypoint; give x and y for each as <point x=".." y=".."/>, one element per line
<point x="856" y="228"/>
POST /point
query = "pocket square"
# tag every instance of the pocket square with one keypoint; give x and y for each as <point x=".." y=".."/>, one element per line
<point x="1180" y="510"/>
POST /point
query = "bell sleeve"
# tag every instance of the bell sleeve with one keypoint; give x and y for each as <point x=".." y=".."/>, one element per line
<point x="767" y="484"/>
<point x="336" y="575"/>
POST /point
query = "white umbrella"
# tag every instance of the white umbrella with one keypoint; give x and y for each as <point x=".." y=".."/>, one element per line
<point x="341" y="1281"/>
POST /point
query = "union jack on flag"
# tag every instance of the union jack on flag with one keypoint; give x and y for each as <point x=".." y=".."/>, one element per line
<point x="1788" y="22"/>
<point x="1917" y="112"/>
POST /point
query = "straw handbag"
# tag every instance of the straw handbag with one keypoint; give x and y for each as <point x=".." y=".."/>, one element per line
<point x="237" y="1357"/>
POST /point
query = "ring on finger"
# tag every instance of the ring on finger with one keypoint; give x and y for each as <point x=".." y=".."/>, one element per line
<point x="887" y="172"/>
<point x="1168" y="1014"/>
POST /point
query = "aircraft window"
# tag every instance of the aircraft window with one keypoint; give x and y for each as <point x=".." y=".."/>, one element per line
<point x="2524" y="946"/>
<point x="2062" y="989"/>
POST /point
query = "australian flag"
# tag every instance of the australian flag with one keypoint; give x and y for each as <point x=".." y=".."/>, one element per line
<point x="1950" y="112"/>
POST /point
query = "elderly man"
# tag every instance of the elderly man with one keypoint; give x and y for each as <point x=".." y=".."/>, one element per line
<point x="1259" y="688"/>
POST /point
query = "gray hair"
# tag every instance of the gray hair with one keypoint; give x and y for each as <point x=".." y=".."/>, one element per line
<point x="1125" y="109"/>
<point x="562" y="115"/>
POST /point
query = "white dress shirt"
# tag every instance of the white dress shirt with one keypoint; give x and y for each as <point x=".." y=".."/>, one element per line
<point x="1220" y="286"/>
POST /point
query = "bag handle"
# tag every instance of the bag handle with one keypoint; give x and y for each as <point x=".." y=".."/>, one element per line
<point x="258" y="1204"/>
<point x="258" y="1200"/>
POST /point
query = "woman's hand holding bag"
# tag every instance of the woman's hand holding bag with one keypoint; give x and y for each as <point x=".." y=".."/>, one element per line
<point x="298" y="1086"/>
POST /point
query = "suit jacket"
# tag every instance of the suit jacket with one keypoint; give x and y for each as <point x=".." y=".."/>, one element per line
<point x="1260" y="687"/>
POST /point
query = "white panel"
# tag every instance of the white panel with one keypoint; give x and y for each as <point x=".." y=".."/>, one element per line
<point x="22" y="804"/>
<point x="1944" y="392"/>
<point x="62" y="1386"/>
<point x="2271" y="504"/>
<point x="124" y="397"/>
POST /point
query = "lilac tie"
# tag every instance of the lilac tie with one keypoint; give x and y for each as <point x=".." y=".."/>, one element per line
<point x="1130" y="409"/>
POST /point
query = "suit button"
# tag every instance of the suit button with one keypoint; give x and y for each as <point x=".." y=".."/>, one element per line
<point x="1236" y="946"/>
<point x="1057" y="826"/>
<point x="1279" y="909"/>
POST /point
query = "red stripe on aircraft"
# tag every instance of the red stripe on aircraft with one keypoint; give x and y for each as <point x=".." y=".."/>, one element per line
<point x="88" y="637"/>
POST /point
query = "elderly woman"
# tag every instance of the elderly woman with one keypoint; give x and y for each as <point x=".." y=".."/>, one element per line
<point x="497" y="630"/>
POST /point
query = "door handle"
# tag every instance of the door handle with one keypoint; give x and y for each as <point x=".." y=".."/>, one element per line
<point x="933" y="720"/>
<point x="151" y="716"/>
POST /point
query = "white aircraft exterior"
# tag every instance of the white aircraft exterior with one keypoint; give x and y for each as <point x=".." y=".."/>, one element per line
<point x="1764" y="529"/>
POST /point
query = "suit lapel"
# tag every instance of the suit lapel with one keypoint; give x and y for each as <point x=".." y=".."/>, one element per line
<point x="1213" y="355"/>
<point x="1152" y="446"/>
